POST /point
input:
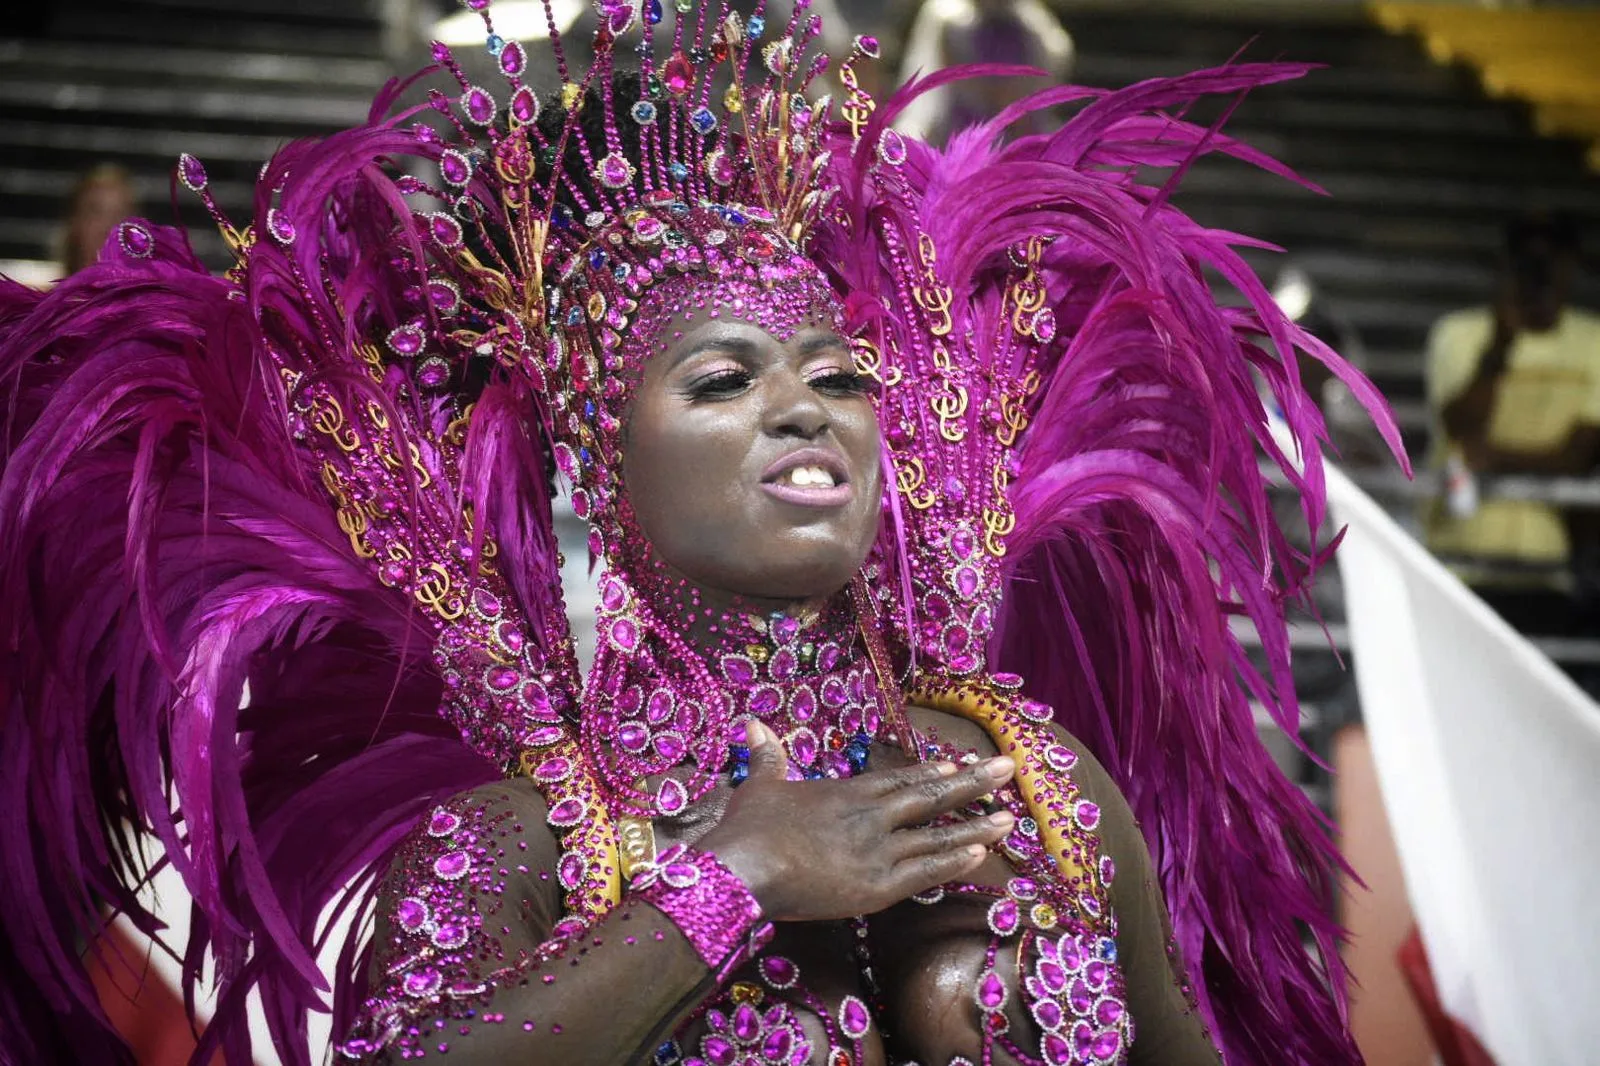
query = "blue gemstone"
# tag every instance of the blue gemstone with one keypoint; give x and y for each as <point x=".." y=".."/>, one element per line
<point x="669" y="1054"/>
<point x="739" y="774"/>
<point x="644" y="112"/>
<point x="621" y="271"/>
<point x="1108" y="950"/>
<point x="678" y="171"/>
<point x="703" y="120"/>
<point x="755" y="26"/>
<point x="735" y="218"/>
<point x="496" y="44"/>
<point x="584" y="457"/>
<point x="561" y="216"/>
<point x="589" y="409"/>
<point x="575" y="316"/>
<point x="652" y="12"/>
<point x="597" y="258"/>
<point x="678" y="207"/>
<point x="814" y="775"/>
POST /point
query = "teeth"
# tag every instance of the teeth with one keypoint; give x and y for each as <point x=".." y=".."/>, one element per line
<point x="806" y="477"/>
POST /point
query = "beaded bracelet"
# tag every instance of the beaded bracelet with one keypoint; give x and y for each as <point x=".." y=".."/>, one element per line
<point x="709" y="905"/>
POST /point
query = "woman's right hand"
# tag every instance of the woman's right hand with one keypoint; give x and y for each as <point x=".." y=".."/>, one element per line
<point x="826" y="849"/>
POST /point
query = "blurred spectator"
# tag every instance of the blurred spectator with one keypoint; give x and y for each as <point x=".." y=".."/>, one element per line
<point x="102" y="198"/>
<point x="955" y="32"/>
<point x="1515" y="389"/>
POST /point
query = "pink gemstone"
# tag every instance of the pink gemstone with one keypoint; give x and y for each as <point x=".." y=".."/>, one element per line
<point x="1095" y="973"/>
<point x="1108" y="870"/>
<point x="778" y="1045"/>
<point x="803" y="705"/>
<point x="1087" y="814"/>
<point x="1060" y="758"/>
<point x="633" y="736"/>
<point x="501" y="678"/>
<point x="450" y="935"/>
<point x="624" y="633"/>
<point x="738" y="669"/>
<point x="1080" y="999"/>
<point x="556" y="769"/>
<point x="718" y="1051"/>
<point x="766" y="700"/>
<point x="443" y="823"/>
<point x="412" y="914"/>
<point x="828" y="656"/>
<point x="670" y="746"/>
<point x="991" y="993"/>
<point x="1108" y="1011"/>
<point x="1044" y="325"/>
<point x="1047" y="1012"/>
<point x="524" y="105"/>
<point x="570" y="870"/>
<point x="568" y="812"/>
<point x="1106" y="1046"/>
<point x="803" y="747"/>
<point x="421" y="982"/>
<point x="613" y="593"/>
<point x="1057" y="1052"/>
<point x="452" y="866"/>
<point x="658" y="708"/>
<point x="834" y="693"/>
<point x="510" y="635"/>
<point x="191" y="172"/>
<point x="967" y="582"/>
<point x="778" y="971"/>
<point x="963" y="543"/>
<point x="1082" y="1036"/>
<point x="671" y="797"/>
<point x="1052" y="975"/>
<point x="783" y="664"/>
<point x="544" y="736"/>
<point x="581" y="504"/>
<point x="957" y="639"/>
<point x="746" y="1023"/>
<point x="1004" y="917"/>
<point x="1071" y="953"/>
<point x="445" y="230"/>
<point x="854" y="1019"/>
<point x="513" y="60"/>
<point x="678" y="75"/>
<point x="478" y="106"/>
<point x="455" y="168"/>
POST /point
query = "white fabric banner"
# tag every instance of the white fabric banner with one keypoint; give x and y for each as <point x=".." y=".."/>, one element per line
<point x="1489" y="761"/>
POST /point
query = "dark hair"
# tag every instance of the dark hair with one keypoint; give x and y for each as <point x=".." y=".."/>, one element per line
<point x="1557" y="229"/>
<point x="626" y="90"/>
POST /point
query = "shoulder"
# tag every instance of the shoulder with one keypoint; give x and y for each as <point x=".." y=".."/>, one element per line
<point x="499" y="825"/>
<point x="1462" y="331"/>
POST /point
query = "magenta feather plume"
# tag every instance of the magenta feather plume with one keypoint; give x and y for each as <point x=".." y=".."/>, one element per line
<point x="1142" y="519"/>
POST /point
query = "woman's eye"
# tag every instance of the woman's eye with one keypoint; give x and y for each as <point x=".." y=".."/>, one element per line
<point x="840" y="381"/>
<point x="720" y="383"/>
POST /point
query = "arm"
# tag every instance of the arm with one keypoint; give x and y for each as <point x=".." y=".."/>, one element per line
<point x="462" y="956"/>
<point x="503" y="992"/>
<point x="1466" y="415"/>
<point x="1170" y="1031"/>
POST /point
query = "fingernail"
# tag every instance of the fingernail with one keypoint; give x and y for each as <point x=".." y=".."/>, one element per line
<point x="946" y="769"/>
<point x="977" y="851"/>
<point x="999" y="769"/>
<point x="1002" y="819"/>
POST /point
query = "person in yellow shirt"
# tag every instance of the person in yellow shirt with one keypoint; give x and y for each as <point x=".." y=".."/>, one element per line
<point x="1515" y="389"/>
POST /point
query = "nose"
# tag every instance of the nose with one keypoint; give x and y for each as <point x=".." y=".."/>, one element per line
<point x="794" y="409"/>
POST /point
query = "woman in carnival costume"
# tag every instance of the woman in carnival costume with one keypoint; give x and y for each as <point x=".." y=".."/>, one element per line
<point x="923" y="484"/>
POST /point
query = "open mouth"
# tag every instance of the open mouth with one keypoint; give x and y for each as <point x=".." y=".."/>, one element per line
<point x="810" y="477"/>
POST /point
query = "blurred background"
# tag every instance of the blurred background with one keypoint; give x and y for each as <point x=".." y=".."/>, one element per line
<point x="1455" y="259"/>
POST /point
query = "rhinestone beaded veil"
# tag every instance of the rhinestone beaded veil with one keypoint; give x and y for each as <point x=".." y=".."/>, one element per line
<point x="322" y="476"/>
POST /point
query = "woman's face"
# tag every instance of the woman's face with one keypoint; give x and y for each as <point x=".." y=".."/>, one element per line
<point x="750" y="463"/>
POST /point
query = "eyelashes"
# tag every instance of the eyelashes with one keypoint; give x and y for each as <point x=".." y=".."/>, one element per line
<point x="729" y="382"/>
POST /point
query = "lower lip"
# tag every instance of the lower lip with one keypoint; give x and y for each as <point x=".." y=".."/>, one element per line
<point x="834" y="496"/>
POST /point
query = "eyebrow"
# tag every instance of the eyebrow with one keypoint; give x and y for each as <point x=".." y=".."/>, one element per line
<point x="744" y="347"/>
